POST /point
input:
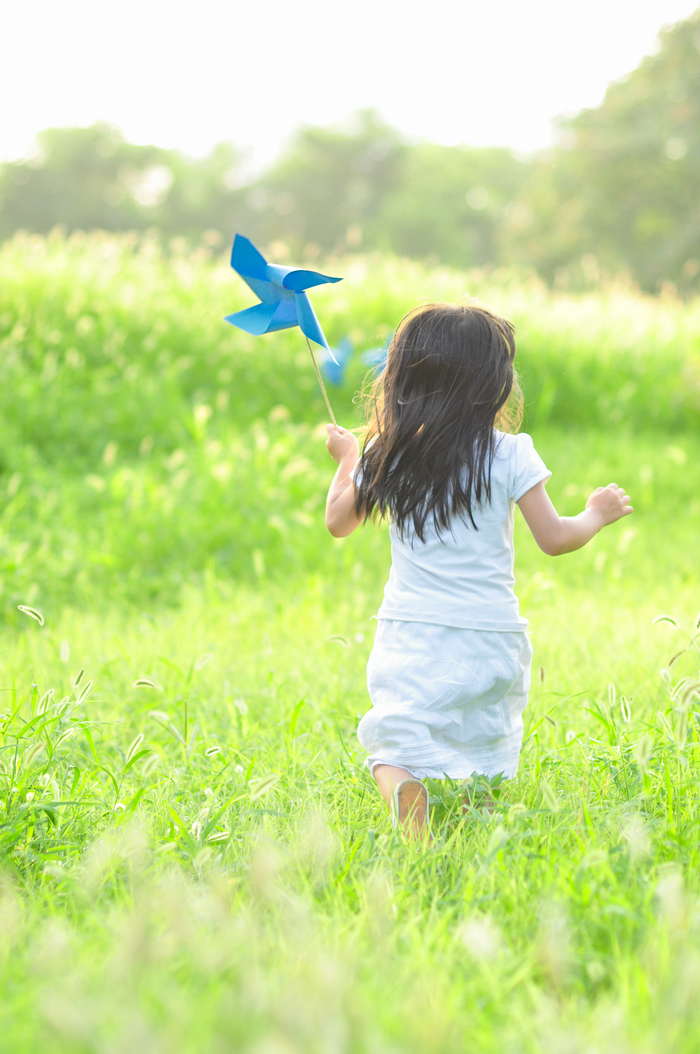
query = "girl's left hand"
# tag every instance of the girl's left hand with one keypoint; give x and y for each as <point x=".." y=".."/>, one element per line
<point x="341" y="443"/>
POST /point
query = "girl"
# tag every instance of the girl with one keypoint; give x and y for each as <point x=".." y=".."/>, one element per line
<point x="449" y="672"/>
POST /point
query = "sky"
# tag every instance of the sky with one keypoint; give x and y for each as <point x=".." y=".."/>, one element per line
<point x="188" y="74"/>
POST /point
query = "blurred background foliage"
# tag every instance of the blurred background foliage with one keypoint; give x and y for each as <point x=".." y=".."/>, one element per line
<point x="617" y="195"/>
<point x="146" y="445"/>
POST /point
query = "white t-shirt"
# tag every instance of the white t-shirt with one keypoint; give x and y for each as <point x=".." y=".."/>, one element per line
<point x="464" y="577"/>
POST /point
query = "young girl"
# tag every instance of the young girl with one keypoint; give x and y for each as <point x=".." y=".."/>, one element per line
<point x="449" y="672"/>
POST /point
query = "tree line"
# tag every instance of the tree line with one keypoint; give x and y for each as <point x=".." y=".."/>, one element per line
<point x="618" y="193"/>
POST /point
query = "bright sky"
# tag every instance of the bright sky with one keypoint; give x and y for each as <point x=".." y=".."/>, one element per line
<point x="190" y="73"/>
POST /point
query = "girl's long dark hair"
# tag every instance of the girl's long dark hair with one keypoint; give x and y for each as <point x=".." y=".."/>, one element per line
<point x="430" y="441"/>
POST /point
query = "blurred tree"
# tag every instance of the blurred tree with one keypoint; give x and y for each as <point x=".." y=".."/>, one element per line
<point x="327" y="189"/>
<point x="618" y="193"/>
<point x="363" y="186"/>
<point x="451" y="202"/>
<point x="621" y="189"/>
<point x="92" y="178"/>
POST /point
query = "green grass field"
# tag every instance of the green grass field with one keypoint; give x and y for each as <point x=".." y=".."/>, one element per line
<point x="193" y="857"/>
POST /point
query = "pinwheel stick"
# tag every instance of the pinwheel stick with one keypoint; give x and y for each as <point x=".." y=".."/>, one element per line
<point x="320" y="381"/>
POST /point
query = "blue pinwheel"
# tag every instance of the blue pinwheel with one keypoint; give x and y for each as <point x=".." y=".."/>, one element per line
<point x="282" y="292"/>
<point x="283" y="299"/>
<point x="376" y="357"/>
<point x="335" y="364"/>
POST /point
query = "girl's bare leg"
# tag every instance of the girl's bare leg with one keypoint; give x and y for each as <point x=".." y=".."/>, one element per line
<point x="388" y="777"/>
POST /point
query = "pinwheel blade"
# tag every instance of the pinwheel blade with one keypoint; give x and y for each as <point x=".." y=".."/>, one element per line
<point x="333" y="372"/>
<point x="285" y="315"/>
<point x="259" y="319"/>
<point x="335" y="362"/>
<point x="246" y="260"/>
<point x="308" y="323"/>
<point x="265" y="291"/>
<point x="300" y="280"/>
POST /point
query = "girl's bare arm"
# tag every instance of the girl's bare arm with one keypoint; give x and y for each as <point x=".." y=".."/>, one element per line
<point x="341" y="518"/>
<point x="557" y="534"/>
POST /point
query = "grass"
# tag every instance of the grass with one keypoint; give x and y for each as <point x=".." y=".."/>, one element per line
<point x="239" y="886"/>
<point x="193" y="856"/>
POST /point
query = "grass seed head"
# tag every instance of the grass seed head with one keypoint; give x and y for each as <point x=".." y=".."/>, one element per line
<point x="202" y="858"/>
<point x="549" y="798"/>
<point x="642" y="751"/>
<point x="219" y="836"/>
<point x="84" y="692"/>
<point x="160" y="716"/>
<point x="691" y="691"/>
<point x="134" y="747"/>
<point x="45" y="701"/>
<point x="63" y="705"/>
<point x="149" y="766"/>
<point x="261" y="786"/>
<point x="33" y="753"/>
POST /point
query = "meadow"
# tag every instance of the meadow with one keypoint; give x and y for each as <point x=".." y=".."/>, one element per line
<point x="192" y="855"/>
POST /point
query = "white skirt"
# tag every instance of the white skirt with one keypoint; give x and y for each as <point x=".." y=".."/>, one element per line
<point x="446" y="701"/>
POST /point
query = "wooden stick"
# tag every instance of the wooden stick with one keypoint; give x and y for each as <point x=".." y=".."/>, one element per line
<point x="320" y="381"/>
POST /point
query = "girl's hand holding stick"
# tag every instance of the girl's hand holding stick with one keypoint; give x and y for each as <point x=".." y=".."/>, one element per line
<point x="342" y="444"/>
<point x="341" y="518"/>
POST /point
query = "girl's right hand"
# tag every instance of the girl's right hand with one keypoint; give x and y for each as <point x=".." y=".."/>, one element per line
<point x="557" y="534"/>
<point x="341" y="443"/>
<point x="610" y="503"/>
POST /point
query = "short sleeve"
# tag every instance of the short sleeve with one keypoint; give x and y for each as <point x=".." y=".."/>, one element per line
<point x="357" y="473"/>
<point x="527" y="467"/>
